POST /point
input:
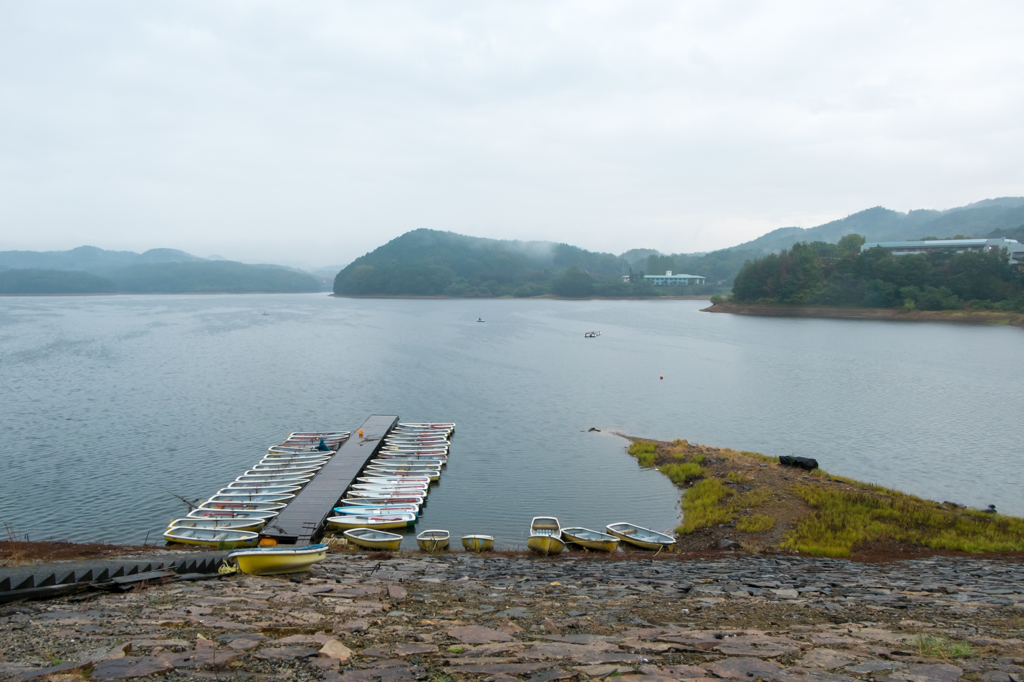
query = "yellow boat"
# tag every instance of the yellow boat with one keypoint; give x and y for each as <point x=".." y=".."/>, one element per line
<point x="545" y="535"/>
<point x="590" y="539"/>
<point x="434" y="540"/>
<point x="373" y="539"/>
<point x="378" y="521"/>
<point x="478" y="543"/>
<point x="211" y="537"/>
<point x="645" y="538"/>
<point x="275" y="560"/>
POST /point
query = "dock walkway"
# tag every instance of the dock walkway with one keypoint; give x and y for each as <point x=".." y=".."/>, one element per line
<point x="303" y="519"/>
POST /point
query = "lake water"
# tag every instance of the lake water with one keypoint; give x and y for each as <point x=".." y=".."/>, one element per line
<point x="112" y="405"/>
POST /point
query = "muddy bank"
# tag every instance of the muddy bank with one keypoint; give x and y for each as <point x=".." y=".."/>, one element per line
<point x="962" y="316"/>
<point x="415" y="617"/>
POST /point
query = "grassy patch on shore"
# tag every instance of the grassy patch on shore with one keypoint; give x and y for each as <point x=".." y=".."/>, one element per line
<point x="752" y="498"/>
<point x="840" y="520"/>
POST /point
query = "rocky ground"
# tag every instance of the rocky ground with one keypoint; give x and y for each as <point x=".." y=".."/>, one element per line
<point x="357" y="618"/>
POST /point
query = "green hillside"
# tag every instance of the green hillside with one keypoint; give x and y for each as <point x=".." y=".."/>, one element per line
<point x="211" y="277"/>
<point x="36" y="281"/>
<point x="841" y="274"/>
<point x="434" y="263"/>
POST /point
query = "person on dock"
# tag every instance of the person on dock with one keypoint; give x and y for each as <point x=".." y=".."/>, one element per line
<point x="323" y="446"/>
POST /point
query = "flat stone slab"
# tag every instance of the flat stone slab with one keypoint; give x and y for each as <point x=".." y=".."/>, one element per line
<point x="937" y="672"/>
<point x="762" y="647"/>
<point x="745" y="668"/>
<point x="286" y="653"/>
<point x="477" y="634"/>
<point x="829" y="659"/>
<point x="130" y="667"/>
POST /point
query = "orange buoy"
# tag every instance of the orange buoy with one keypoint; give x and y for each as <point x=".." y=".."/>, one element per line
<point x="662" y="377"/>
<point x="268" y="542"/>
<point x="360" y="433"/>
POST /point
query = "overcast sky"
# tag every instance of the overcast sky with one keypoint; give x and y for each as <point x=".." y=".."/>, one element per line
<point x="311" y="132"/>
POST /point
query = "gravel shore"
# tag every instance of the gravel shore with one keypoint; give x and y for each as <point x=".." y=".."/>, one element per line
<point x="502" y="617"/>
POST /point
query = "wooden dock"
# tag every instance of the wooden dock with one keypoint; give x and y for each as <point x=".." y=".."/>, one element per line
<point x="303" y="519"/>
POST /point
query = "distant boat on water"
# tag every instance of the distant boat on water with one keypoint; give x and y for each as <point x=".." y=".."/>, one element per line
<point x="479" y="319"/>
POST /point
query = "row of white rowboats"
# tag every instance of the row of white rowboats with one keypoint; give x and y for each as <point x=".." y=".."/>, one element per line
<point x="393" y="487"/>
<point x="234" y="516"/>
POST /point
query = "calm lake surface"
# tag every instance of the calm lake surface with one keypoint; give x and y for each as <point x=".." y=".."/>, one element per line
<point x="112" y="404"/>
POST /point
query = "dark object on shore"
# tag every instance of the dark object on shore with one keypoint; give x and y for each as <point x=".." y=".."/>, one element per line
<point x="991" y="509"/>
<point x="726" y="543"/>
<point x="799" y="462"/>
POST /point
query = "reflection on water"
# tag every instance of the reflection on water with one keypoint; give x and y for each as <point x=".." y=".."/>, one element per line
<point x="112" y="405"/>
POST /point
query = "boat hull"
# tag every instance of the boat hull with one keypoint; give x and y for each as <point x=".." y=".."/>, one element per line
<point x="434" y="541"/>
<point x="637" y="542"/>
<point x="596" y="545"/>
<point x="545" y="544"/>
<point x="278" y="561"/>
<point x="346" y="522"/>
<point x="389" y="544"/>
<point x="478" y="543"/>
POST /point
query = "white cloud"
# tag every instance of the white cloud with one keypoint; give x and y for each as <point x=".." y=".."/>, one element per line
<point x="312" y="132"/>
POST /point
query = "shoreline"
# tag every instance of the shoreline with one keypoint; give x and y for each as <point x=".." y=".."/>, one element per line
<point x="957" y="316"/>
<point x="545" y="297"/>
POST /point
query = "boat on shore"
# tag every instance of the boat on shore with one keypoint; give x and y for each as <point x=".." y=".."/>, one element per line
<point x="545" y="536"/>
<point x="478" y="543"/>
<point x="590" y="539"/>
<point x="278" y="560"/>
<point x="434" y="540"/>
<point x="381" y="521"/>
<point x="645" y="538"/>
<point x="211" y="537"/>
<point x="369" y="538"/>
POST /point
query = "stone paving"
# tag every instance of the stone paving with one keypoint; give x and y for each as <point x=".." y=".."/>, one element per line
<point x="510" y="617"/>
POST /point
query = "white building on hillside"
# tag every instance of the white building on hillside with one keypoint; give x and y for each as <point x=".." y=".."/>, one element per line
<point x="668" y="279"/>
<point x="1015" y="248"/>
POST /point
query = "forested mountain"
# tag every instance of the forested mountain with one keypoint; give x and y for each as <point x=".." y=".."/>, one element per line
<point x="841" y="274"/>
<point x="88" y="269"/>
<point x="433" y="263"/>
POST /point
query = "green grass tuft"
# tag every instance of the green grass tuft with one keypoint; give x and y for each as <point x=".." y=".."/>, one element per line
<point x="682" y="473"/>
<point x="758" y="523"/>
<point x="701" y="508"/>
<point x="841" y="520"/>
<point x="941" y="647"/>
<point x="645" y="452"/>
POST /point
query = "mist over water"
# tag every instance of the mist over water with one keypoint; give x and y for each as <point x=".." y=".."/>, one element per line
<point x="111" y="404"/>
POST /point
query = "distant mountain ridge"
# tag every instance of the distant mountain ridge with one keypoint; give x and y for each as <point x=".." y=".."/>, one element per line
<point x="881" y="224"/>
<point x="88" y="269"/>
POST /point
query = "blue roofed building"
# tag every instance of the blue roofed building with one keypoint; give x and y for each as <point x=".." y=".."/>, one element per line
<point x="1015" y="248"/>
<point x="668" y="279"/>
